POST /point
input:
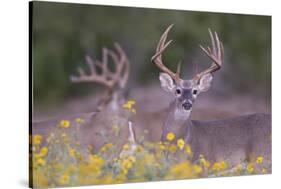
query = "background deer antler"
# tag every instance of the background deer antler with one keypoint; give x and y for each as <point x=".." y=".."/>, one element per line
<point x="111" y="79"/>
<point x="108" y="78"/>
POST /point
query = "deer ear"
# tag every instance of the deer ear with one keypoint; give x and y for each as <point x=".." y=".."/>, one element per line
<point x="167" y="82"/>
<point x="205" y="82"/>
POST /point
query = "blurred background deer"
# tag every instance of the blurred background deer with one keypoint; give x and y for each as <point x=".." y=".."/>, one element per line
<point x="232" y="139"/>
<point x="99" y="126"/>
<point x="101" y="73"/>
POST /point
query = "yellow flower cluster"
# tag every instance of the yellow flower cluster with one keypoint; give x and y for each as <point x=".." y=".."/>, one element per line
<point x="64" y="124"/>
<point x="259" y="160"/>
<point x="127" y="163"/>
<point x="59" y="161"/>
<point x="203" y="162"/>
<point x="184" y="170"/>
<point x="250" y="168"/>
<point x="187" y="150"/>
<point x="79" y="120"/>
<point x="180" y="143"/>
<point x="36" y="139"/>
<point x="106" y="147"/>
<point x="219" y="166"/>
<point x="170" y="136"/>
<point x="71" y="152"/>
<point x="42" y="153"/>
<point x="129" y="106"/>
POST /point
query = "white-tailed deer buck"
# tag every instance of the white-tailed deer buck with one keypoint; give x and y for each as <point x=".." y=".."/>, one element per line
<point x="114" y="81"/>
<point x="96" y="128"/>
<point x="233" y="139"/>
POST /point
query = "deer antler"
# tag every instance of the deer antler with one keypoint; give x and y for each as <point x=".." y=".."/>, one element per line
<point x="157" y="57"/>
<point x="108" y="78"/>
<point x="215" y="54"/>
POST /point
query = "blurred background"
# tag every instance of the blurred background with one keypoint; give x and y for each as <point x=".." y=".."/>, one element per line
<point x="64" y="33"/>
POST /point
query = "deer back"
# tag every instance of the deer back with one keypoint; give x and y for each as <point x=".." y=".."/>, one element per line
<point x="233" y="139"/>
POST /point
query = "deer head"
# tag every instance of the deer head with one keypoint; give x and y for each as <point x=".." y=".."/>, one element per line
<point x="112" y="80"/>
<point x="186" y="91"/>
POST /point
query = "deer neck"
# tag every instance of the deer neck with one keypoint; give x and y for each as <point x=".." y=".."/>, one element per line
<point x="116" y="99"/>
<point x="177" y="122"/>
<point x="114" y="102"/>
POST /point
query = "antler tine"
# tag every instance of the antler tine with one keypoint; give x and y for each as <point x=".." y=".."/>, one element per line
<point x="104" y="60"/>
<point x="161" y="46"/>
<point x="157" y="57"/>
<point x="125" y="67"/>
<point x="178" y="69"/>
<point x="215" y="54"/>
<point x="214" y="49"/>
<point x="90" y="63"/>
<point x="118" y="65"/>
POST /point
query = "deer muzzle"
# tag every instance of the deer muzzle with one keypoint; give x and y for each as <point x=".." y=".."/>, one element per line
<point x="187" y="105"/>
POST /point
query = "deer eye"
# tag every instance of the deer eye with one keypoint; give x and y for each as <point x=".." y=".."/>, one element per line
<point x="178" y="91"/>
<point x="194" y="92"/>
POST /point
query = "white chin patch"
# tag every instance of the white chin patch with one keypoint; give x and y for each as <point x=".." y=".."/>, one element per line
<point x="182" y="114"/>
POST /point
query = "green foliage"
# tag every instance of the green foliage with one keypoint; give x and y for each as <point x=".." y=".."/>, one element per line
<point x="64" y="33"/>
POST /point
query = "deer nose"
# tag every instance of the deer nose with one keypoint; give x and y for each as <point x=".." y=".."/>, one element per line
<point x="186" y="105"/>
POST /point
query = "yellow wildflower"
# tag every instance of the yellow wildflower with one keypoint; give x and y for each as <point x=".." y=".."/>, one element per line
<point x="172" y="148"/>
<point x="131" y="102"/>
<point x="203" y="162"/>
<point x="120" y="178"/>
<point x="161" y="145"/>
<point x="139" y="148"/>
<point x="71" y="152"/>
<point x="79" y="120"/>
<point x="106" y="147"/>
<point x="259" y="160"/>
<point x="181" y="170"/>
<point x="263" y="170"/>
<point x="64" y="179"/>
<point x="180" y="143"/>
<point x="98" y="161"/>
<point x="107" y="179"/>
<point x="250" y="168"/>
<point x="219" y="166"/>
<point x="132" y="158"/>
<point x="197" y="169"/>
<point x="238" y="168"/>
<point x="43" y="151"/>
<point x="41" y="162"/>
<point x="129" y="105"/>
<point x="40" y="179"/>
<point x="126" y="164"/>
<point x="37" y="139"/>
<point x="170" y="136"/>
<point x="64" y="124"/>
<point x="126" y="147"/>
<point x="187" y="149"/>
